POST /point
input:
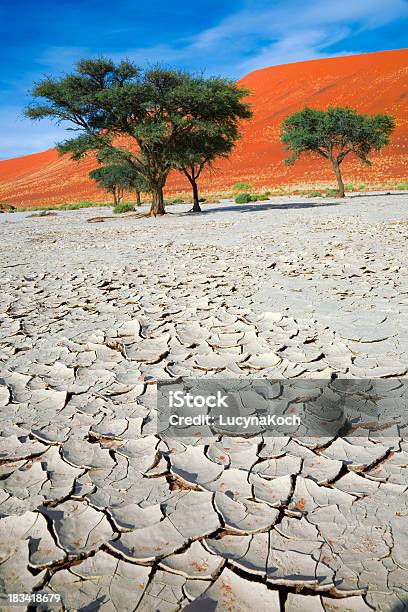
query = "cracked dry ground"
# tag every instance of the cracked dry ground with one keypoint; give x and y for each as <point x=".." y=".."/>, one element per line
<point x="98" y="508"/>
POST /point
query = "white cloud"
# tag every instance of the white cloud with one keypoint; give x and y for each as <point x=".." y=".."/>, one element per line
<point x="295" y="31"/>
<point x="298" y="31"/>
<point x="264" y="20"/>
<point x="371" y="13"/>
<point x="295" y="47"/>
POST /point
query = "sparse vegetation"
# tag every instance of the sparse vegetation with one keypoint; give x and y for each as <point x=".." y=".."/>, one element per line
<point x="215" y="197"/>
<point x="260" y="197"/>
<point x="65" y="206"/>
<point x="241" y="186"/>
<point x="76" y="205"/>
<point x="124" y="207"/>
<point x="243" y="198"/>
<point x="314" y="194"/>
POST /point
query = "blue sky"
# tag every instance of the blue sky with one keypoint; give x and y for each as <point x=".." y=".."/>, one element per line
<point x="227" y="37"/>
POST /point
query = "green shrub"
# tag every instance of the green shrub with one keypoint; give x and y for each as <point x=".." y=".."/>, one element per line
<point x="124" y="208"/>
<point x="241" y="185"/>
<point x="349" y="187"/>
<point x="202" y="199"/>
<point x="66" y="206"/>
<point x="260" y="197"/>
<point x="177" y="201"/>
<point x="79" y="205"/>
<point x="403" y="185"/>
<point x="243" y="198"/>
<point x="314" y="194"/>
<point x="362" y="187"/>
<point x="332" y="193"/>
<point x="75" y="205"/>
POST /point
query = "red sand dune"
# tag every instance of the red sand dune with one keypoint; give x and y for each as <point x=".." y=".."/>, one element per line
<point x="371" y="83"/>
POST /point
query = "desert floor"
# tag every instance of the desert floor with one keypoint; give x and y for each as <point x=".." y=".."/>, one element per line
<point x="98" y="508"/>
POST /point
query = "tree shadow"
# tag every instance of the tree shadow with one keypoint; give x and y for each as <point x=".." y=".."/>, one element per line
<point x="203" y="604"/>
<point x="253" y="206"/>
<point x="244" y="208"/>
<point x="377" y="195"/>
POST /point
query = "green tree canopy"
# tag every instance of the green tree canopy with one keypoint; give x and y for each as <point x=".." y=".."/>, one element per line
<point x="201" y="148"/>
<point x="334" y="134"/>
<point x="126" y="171"/>
<point x="155" y="109"/>
<point x="216" y="133"/>
<point x="114" y="178"/>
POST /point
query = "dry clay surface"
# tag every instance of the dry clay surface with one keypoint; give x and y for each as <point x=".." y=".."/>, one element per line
<point x="98" y="508"/>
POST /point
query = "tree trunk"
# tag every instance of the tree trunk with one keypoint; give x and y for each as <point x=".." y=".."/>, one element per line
<point x="157" y="207"/>
<point x="138" y="200"/>
<point x="336" y="167"/>
<point x="115" y="197"/>
<point x="196" y="204"/>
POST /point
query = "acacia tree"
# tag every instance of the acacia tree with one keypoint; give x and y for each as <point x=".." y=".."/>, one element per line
<point x="215" y="134"/>
<point x="334" y="134"/>
<point x="155" y="109"/>
<point x="111" y="179"/>
<point x="123" y="169"/>
<point x="201" y="149"/>
<point x="116" y="179"/>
